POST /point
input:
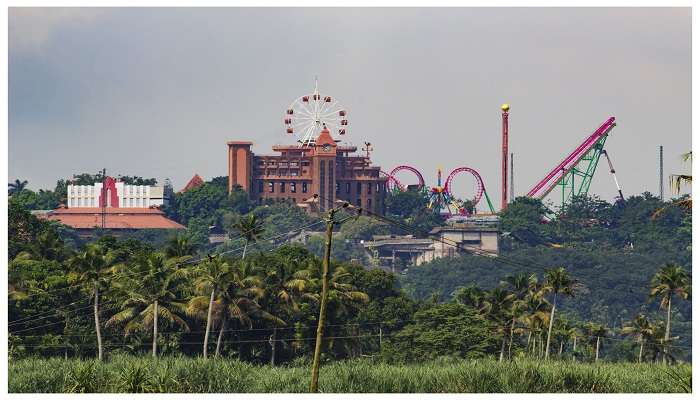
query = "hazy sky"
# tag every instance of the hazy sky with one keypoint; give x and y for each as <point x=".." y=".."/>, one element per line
<point x="158" y="92"/>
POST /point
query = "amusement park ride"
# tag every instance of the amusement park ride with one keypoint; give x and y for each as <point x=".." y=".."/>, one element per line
<point x="309" y="114"/>
<point x="573" y="175"/>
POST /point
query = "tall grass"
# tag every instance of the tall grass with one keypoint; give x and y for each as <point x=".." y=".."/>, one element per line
<point x="179" y="374"/>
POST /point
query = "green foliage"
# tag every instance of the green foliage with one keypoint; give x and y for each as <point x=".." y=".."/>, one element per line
<point x="208" y="202"/>
<point x="404" y="204"/>
<point x="41" y="200"/>
<point x="191" y="375"/>
<point x="363" y="228"/>
<point x="449" y="329"/>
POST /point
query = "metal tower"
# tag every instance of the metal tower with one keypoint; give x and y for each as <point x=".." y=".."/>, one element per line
<point x="512" y="179"/>
<point x="504" y="156"/>
<point x="661" y="172"/>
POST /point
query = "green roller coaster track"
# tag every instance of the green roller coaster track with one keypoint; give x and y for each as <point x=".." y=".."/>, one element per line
<point x="577" y="180"/>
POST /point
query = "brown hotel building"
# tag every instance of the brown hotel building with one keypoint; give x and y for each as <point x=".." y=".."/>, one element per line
<point x="298" y="172"/>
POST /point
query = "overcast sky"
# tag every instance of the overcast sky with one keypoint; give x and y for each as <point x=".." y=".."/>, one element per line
<point x="158" y="92"/>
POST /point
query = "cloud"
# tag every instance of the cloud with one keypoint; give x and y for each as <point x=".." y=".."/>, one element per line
<point x="31" y="28"/>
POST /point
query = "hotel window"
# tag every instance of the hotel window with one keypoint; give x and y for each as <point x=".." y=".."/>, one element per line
<point x="358" y="202"/>
<point x="272" y="187"/>
<point x="377" y="187"/>
<point x="293" y="187"/>
<point x="337" y="188"/>
<point x="304" y="187"/>
<point x="261" y="186"/>
<point x="369" y="187"/>
<point x="369" y="204"/>
<point x="347" y="187"/>
<point x="282" y="187"/>
<point x="359" y="187"/>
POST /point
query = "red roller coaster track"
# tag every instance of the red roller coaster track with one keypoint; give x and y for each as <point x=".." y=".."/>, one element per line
<point x="479" y="182"/>
<point x="392" y="176"/>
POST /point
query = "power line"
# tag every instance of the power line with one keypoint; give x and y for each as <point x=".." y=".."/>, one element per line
<point x="291" y="339"/>
<point x="134" y="273"/>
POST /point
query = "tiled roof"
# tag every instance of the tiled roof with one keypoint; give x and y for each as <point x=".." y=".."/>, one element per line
<point x="193" y="183"/>
<point x="116" y="218"/>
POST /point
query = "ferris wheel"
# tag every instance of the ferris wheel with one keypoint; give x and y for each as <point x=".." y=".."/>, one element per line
<point x="309" y="114"/>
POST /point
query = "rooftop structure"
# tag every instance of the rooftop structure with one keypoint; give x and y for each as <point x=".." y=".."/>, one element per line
<point x="86" y="219"/>
<point x="472" y="235"/>
<point x="116" y="194"/>
<point x="196" y="181"/>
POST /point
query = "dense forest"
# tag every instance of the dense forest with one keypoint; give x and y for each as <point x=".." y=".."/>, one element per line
<point x="605" y="268"/>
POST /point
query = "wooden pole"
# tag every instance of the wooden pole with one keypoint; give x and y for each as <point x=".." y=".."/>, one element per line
<point x="324" y="298"/>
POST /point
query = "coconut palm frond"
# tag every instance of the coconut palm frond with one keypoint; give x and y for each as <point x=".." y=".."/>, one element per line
<point x="677" y="181"/>
<point x="122" y="316"/>
<point x="133" y="326"/>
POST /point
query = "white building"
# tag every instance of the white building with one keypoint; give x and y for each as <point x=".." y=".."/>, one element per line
<point x="118" y="195"/>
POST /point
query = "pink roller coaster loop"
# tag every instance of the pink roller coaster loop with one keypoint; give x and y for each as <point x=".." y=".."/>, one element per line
<point x="391" y="182"/>
<point x="395" y="180"/>
<point x="479" y="182"/>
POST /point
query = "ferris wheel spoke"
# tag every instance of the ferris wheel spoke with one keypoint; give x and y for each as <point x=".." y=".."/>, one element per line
<point x="304" y="110"/>
<point x="326" y="107"/>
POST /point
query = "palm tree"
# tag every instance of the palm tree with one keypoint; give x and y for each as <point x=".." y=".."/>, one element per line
<point x="90" y="267"/>
<point x="342" y="295"/>
<point x="308" y="281"/>
<point x="557" y="281"/>
<point x="48" y="245"/>
<point x="210" y="276"/>
<point x="180" y="246"/>
<point x="16" y="186"/>
<point x="536" y="311"/>
<point x="240" y="292"/>
<point x="562" y="332"/>
<point x="596" y="332"/>
<point x="497" y="308"/>
<point x="659" y="345"/>
<point x="250" y="228"/>
<point x="519" y="285"/>
<point x="471" y="295"/>
<point x="150" y="296"/>
<point x="642" y="328"/>
<point x="677" y="180"/>
<point x="668" y="281"/>
<point x="280" y="294"/>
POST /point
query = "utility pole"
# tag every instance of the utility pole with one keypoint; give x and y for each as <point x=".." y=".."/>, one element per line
<point x="512" y="179"/>
<point x="504" y="156"/>
<point x="661" y="172"/>
<point x="324" y="298"/>
<point x="104" y="199"/>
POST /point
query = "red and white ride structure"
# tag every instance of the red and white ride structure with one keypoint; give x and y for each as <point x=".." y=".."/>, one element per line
<point x="310" y="113"/>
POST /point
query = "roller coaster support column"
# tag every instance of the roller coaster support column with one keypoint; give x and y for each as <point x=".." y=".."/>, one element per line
<point x="489" y="202"/>
<point x="504" y="159"/>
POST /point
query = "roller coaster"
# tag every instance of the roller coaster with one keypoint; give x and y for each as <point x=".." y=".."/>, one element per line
<point x="573" y="176"/>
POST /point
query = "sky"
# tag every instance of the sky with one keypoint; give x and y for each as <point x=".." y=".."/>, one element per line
<point x="159" y="92"/>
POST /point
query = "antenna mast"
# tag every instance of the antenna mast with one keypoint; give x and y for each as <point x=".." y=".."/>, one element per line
<point x="661" y="172"/>
<point x="104" y="199"/>
<point x="512" y="179"/>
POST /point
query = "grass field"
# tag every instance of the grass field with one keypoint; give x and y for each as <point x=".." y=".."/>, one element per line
<point x="177" y="374"/>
